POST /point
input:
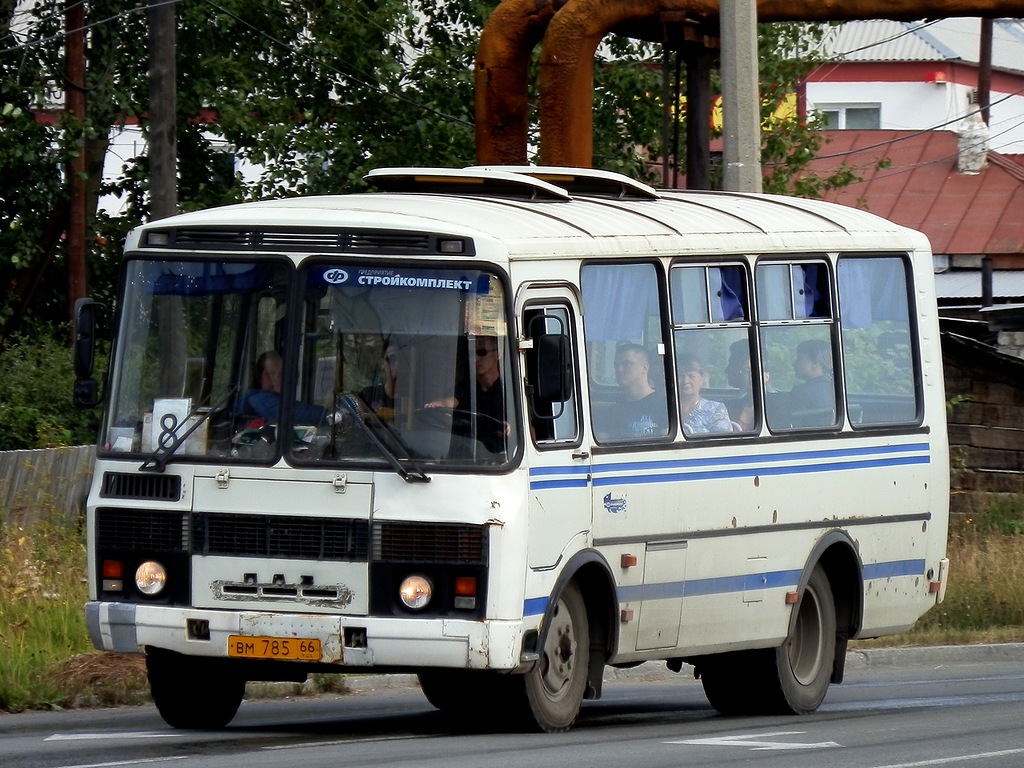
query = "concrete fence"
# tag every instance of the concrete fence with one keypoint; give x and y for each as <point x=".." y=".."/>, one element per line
<point x="45" y="484"/>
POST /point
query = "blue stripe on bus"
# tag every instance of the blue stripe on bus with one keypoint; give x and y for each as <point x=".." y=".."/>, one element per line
<point x="895" y="568"/>
<point x="729" y="584"/>
<point x="727" y="467"/>
<point x="535" y="606"/>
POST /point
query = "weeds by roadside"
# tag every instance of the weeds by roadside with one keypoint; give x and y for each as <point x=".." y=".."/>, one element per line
<point x="42" y="591"/>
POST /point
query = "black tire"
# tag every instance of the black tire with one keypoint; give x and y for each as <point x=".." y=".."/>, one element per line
<point x="555" y="687"/>
<point x="790" y="679"/>
<point x="459" y="693"/>
<point x="193" y="693"/>
<point x="730" y="681"/>
<point x="804" y="662"/>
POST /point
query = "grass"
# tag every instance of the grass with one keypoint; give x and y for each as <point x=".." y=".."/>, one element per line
<point x="42" y="591"/>
<point x="46" y="659"/>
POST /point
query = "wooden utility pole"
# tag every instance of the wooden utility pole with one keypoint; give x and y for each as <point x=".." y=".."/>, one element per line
<point x="741" y="112"/>
<point x="985" y="70"/>
<point x="163" y="176"/>
<point x="74" y="107"/>
<point x="163" y="108"/>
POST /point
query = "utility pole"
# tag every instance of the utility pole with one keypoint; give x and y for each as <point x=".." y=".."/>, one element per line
<point x="163" y="174"/>
<point x="163" y="108"/>
<point x="74" y="107"/>
<point x="985" y="70"/>
<point x="741" y="113"/>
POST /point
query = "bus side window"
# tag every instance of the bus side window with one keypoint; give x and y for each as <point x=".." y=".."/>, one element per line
<point x="879" y="354"/>
<point x="552" y="419"/>
<point x="716" y="362"/>
<point x="626" y="372"/>
<point x="794" y="301"/>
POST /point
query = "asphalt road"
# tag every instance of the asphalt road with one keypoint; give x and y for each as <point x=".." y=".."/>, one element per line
<point x="897" y="709"/>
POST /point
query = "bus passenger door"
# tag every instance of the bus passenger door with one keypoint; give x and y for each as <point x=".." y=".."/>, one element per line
<point x="559" y="467"/>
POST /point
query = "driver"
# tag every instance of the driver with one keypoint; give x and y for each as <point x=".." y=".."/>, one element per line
<point x="487" y="402"/>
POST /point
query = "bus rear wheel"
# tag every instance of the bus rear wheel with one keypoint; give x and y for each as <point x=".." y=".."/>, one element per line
<point x="192" y="693"/>
<point x="555" y="686"/>
<point x="790" y="679"/>
<point x="804" y="662"/>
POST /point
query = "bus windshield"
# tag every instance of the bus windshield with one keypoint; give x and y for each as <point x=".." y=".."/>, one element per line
<point x="333" y="364"/>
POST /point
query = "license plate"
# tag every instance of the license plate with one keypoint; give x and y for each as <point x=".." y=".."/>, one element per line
<point x="294" y="648"/>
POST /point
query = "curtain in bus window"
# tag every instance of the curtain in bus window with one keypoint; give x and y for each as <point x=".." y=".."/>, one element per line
<point x="872" y="290"/>
<point x="774" y="292"/>
<point x="618" y="299"/>
<point x="728" y="293"/>
<point x="810" y="291"/>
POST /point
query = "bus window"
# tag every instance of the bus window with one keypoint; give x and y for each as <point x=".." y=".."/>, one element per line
<point x="712" y="334"/>
<point x="794" y="301"/>
<point x="878" y="353"/>
<point x="551" y="421"/>
<point x="412" y="365"/>
<point x="625" y="351"/>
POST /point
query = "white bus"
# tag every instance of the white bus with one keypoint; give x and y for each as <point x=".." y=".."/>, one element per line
<point x="501" y="428"/>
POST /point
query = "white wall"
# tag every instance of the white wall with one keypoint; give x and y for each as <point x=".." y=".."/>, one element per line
<point x="922" y="106"/>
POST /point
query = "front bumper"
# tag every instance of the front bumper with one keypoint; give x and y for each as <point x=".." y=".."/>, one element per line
<point x="346" y="641"/>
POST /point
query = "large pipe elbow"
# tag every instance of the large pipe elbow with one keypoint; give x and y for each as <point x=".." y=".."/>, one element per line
<point x="501" y="78"/>
<point x="566" y="69"/>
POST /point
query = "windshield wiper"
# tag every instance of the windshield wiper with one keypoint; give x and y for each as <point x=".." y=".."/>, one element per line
<point x="157" y="460"/>
<point x="364" y="416"/>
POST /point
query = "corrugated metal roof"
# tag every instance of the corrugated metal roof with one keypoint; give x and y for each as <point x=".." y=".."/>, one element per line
<point x="921" y="188"/>
<point x="966" y="284"/>
<point x="955" y="39"/>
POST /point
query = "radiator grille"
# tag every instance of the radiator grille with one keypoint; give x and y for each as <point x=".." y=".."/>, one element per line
<point x="306" y="538"/>
<point x="141" y="530"/>
<point x="125" y="485"/>
<point x="430" y="543"/>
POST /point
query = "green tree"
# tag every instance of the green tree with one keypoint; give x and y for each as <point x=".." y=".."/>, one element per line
<point x="314" y="92"/>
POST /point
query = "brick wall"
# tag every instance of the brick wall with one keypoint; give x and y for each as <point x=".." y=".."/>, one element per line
<point x="986" y="426"/>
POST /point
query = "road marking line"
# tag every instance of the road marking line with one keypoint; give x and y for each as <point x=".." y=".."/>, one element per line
<point x="747" y="740"/>
<point x="127" y="762"/>
<point x="335" y="742"/>
<point x="111" y="736"/>
<point x="959" y="759"/>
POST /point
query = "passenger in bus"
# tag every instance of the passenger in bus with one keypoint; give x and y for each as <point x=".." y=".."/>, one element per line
<point x="699" y="415"/>
<point x="738" y="374"/>
<point x="264" y="400"/>
<point x="640" y="411"/>
<point x="380" y="397"/>
<point x="813" y="399"/>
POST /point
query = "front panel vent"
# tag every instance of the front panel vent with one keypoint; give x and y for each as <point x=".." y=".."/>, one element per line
<point x="138" y="530"/>
<point x="299" y="538"/>
<point x="146" y="487"/>
<point x="384" y="242"/>
<point x="430" y="543"/>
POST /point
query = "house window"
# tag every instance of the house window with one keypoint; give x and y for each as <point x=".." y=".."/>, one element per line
<point x="849" y="117"/>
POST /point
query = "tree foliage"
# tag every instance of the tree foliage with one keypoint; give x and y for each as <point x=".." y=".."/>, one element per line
<point x="315" y="93"/>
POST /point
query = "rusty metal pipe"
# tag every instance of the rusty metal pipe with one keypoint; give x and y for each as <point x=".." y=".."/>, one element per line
<point x="501" y="76"/>
<point x="572" y="37"/>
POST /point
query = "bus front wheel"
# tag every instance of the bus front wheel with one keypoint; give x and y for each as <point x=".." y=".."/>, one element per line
<point x="557" y="683"/>
<point x="191" y="692"/>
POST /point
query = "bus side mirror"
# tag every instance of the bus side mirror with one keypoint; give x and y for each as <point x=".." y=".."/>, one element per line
<point x="554" y="368"/>
<point x="86" y="392"/>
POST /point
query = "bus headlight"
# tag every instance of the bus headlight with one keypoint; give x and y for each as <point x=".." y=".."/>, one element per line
<point x="415" y="591"/>
<point x="150" y="578"/>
